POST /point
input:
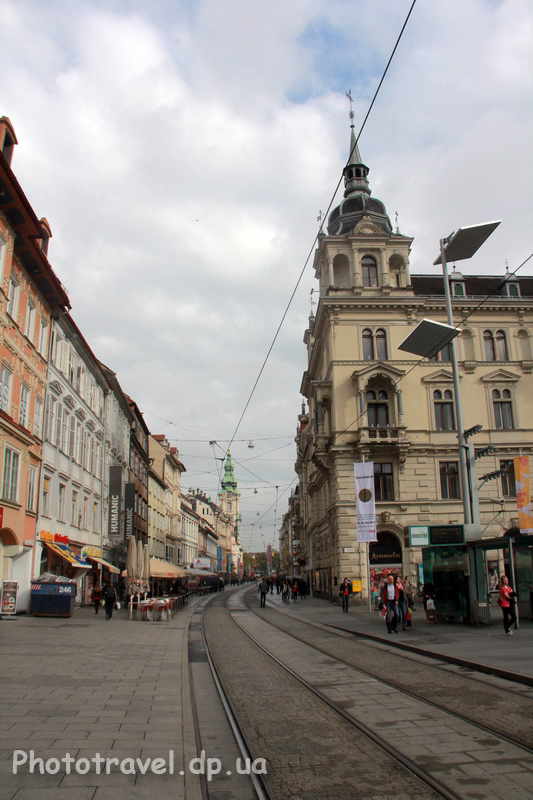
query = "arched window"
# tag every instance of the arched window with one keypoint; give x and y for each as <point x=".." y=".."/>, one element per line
<point x="458" y="290"/>
<point x="377" y="403"/>
<point x="374" y="345"/>
<point x="495" y="346"/>
<point x="443" y="405"/>
<point x="502" y="403"/>
<point x="369" y="271"/>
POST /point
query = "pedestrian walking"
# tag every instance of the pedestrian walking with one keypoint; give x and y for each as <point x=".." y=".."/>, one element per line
<point x="345" y="592"/>
<point x="389" y="601"/>
<point x="285" y="592"/>
<point x="506" y="601"/>
<point x="428" y="601"/>
<point x="409" y="592"/>
<point x="110" y="598"/>
<point x="97" y="598"/>
<point x="263" y="591"/>
<point x="402" y="603"/>
<point x="294" y="590"/>
<point x="302" y="588"/>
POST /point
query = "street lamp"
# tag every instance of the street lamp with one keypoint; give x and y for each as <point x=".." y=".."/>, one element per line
<point x="429" y="337"/>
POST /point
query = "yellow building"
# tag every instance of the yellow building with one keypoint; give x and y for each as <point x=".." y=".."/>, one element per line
<point x="369" y="401"/>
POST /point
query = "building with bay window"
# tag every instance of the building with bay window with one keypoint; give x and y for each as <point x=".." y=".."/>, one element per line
<point x="369" y="401"/>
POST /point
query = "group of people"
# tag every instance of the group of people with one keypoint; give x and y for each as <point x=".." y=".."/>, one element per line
<point x="107" y="595"/>
<point x="287" y="587"/>
<point x="397" y="600"/>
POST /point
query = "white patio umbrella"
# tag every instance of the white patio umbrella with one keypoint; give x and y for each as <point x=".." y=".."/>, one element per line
<point x="131" y="569"/>
<point x="140" y="568"/>
<point x="146" y="571"/>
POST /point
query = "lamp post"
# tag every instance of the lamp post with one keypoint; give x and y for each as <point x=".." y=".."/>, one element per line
<point x="429" y="337"/>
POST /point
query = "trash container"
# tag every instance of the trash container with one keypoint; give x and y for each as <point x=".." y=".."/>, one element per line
<point x="52" y="599"/>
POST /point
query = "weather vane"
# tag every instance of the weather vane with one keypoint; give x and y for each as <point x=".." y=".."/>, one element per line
<point x="350" y="98"/>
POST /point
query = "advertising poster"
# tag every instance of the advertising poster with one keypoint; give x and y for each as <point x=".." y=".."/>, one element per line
<point x="129" y="510"/>
<point x="9" y="597"/>
<point x="365" y="506"/>
<point x="523" y="494"/>
<point x="115" y="487"/>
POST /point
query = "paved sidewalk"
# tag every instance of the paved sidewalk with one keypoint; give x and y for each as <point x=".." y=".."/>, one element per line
<point x="84" y="685"/>
<point x="483" y="645"/>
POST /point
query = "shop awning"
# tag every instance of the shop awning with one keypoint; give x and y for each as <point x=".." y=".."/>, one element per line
<point x="68" y="554"/>
<point x="164" y="569"/>
<point x="104" y="563"/>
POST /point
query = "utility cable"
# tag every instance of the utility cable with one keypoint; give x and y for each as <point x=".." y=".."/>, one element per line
<point x="318" y="232"/>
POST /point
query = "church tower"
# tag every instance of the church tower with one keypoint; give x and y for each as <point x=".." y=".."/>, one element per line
<point x="229" y="502"/>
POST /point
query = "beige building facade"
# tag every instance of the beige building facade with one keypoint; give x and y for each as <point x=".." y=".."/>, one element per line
<point x="369" y="401"/>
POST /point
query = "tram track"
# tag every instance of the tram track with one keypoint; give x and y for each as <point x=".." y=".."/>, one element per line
<point x="517" y="714"/>
<point x="427" y="775"/>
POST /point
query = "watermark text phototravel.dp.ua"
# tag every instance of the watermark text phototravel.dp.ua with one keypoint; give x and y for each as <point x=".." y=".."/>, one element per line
<point x="201" y="765"/>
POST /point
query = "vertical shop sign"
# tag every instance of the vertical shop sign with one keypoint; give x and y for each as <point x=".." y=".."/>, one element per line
<point x="129" y="510"/>
<point x="115" y="485"/>
<point x="219" y="559"/>
<point x="523" y="493"/>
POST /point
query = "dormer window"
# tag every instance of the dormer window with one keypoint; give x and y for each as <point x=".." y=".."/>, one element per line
<point x="457" y="284"/>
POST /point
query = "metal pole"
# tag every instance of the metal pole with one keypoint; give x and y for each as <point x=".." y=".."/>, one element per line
<point x="513" y="579"/>
<point x="463" y="468"/>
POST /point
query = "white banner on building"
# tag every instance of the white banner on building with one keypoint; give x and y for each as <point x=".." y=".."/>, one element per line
<point x="365" y="506"/>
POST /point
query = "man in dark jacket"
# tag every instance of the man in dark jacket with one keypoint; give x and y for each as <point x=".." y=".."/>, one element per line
<point x="389" y="600"/>
<point x="263" y="591"/>
<point x="345" y="592"/>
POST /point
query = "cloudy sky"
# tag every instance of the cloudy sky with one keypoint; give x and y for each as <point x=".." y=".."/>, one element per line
<point x="182" y="150"/>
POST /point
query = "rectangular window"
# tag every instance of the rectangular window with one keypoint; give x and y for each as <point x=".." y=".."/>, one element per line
<point x="383" y="483"/>
<point x="508" y="479"/>
<point x="5" y="389"/>
<point x="449" y="480"/>
<point x="59" y="426"/>
<point x="43" y="337"/>
<point x="45" y="497"/>
<point x="74" y="520"/>
<point x="72" y="436"/>
<point x="65" y="431"/>
<point x="32" y="482"/>
<point x="37" y="417"/>
<point x="61" y="502"/>
<point x="30" y="320"/>
<point x="23" y="409"/>
<point x="12" y="303"/>
<point x="11" y="474"/>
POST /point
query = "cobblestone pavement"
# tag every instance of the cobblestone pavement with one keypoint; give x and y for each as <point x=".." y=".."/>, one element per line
<point x="311" y="753"/>
<point x="84" y="685"/>
<point x="472" y="763"/>
<point x="491" y="701"/>
<point x="484" y="645"/>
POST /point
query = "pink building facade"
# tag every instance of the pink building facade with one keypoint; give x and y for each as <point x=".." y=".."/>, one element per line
<point x="30" y="297"/>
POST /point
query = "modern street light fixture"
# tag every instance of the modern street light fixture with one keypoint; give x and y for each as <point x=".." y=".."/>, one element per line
<point x="458" y="246"/>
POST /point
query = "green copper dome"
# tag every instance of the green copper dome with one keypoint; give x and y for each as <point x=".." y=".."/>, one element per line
<point x="228" y="482"/>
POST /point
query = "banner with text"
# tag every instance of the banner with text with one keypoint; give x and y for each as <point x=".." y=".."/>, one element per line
<point x="365" y="506"/>
<point x="115" y="491"/>
<point x="522" y="475"/>
<point x="129" y="510"/>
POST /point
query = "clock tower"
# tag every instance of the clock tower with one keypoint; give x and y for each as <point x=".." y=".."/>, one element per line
<point x="229" y="502"/>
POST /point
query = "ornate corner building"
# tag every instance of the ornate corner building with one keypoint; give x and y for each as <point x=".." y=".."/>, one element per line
<point x="369" y="401"/>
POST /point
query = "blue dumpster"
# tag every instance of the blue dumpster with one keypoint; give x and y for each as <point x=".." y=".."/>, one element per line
<point x="52" y="599"/>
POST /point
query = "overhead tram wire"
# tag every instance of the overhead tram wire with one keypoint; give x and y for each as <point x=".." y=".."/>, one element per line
<point x="316" y="235"/>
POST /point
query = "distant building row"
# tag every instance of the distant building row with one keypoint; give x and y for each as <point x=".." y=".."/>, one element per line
<point x="80" y="472"/>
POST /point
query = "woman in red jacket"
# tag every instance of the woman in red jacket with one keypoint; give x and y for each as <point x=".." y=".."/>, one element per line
<point x="506" y="603"/>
